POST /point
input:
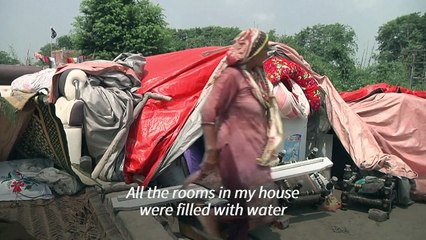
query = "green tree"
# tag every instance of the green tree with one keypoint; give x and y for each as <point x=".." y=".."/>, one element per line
<point x="8" y="58"/>
<point x="399" y="40"/>
<point x="107" y="28"/>
<point x="201" y="37"/>
<point x="331" y="49"/>
<point x="401" y="35"/>
<point x="65" y="42"/>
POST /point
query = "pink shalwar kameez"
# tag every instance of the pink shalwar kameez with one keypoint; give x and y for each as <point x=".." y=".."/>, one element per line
<point x="242" y="136"/>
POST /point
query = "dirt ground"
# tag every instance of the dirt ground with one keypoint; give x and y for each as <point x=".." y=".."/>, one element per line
<point x="63" y="217"/>
<point x="308" y="223"/>
<point x="73" y="218"/>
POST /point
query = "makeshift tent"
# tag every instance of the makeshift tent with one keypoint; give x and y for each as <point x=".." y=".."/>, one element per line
<point x="184" y="76"/>
<point x="396" y="118"/>
<point x="357" y="136"/>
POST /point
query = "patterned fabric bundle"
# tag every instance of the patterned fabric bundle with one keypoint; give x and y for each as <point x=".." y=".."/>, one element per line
<point x="44" y="137"/>
<point x="279" y="69"/>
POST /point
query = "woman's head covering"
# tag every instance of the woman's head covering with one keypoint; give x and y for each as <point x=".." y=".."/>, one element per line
<point x="247" y="45"/>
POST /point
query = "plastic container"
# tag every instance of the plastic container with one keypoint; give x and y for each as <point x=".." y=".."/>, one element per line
<point x="74" y="137"/>
<point x="294" y="140"/>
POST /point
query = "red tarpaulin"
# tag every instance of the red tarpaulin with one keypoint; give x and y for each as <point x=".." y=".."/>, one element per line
<point x="379" y="87"/>
<point x="182" y="76"/>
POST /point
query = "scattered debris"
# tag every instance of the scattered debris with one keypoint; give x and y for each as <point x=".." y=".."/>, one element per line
<point x="339" y="229"/>
<point x="377" y="215"/>
<point x="282" y="223"/>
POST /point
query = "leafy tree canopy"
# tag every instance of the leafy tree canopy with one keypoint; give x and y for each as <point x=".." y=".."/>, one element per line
<point x="8" y="58"/>
<point x="66" y="42"/>
<point x="330" y="49"/>
<point x="401" y="35"/>
<point x="402" y="50"/>
<point x="107" y="28"/>
<point x="201" y="37"/>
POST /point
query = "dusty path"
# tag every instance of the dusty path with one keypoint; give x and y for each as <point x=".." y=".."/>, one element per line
<point x="352" y="224"/>
<point x="63" y="217"/>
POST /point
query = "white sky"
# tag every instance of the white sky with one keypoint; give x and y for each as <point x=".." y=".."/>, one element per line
<point x="25" y="24"/>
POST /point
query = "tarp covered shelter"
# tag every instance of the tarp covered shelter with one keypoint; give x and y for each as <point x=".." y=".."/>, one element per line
<point x="184" y="76"/>
<point x="396" y="118"/>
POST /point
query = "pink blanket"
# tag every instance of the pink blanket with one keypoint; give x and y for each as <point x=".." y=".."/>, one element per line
<point x="397" y="122"/>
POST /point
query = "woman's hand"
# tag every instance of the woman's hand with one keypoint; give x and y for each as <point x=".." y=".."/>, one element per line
<point x="209" y="163"/>
<point x="210" y="160"/>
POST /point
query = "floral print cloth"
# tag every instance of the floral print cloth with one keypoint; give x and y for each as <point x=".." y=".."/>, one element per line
<point x="283" y="70"/>
<point x="18" y="182"/>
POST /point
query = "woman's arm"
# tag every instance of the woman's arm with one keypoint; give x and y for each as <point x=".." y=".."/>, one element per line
<point x="210" y="159"/>
<point x="216" y="106"/>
